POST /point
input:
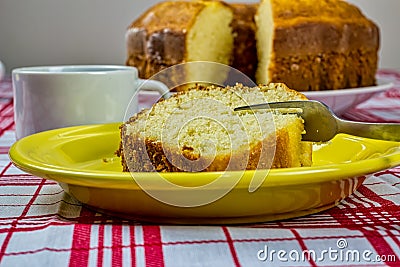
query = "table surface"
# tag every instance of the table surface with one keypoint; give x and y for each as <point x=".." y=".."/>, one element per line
<point x="41" y="225"/>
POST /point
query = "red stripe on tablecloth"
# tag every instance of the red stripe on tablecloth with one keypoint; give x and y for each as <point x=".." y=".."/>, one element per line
<point x="15" y="222"/>
<point x="34" y="217"/>
<point x="6" y="168"/>
<point x="374" y="183"/>
<point x="153" y="246"/>
<point x="80" y="243"/>
<point x="387" y="109"/>
<point x="22" y="176"/>
<point x="30" y="229"/>
<point x="29" y="183"/>
<point x="4" y="149"/>
<point x="22" y="179"/>
<point x="133" y="245"/>
<point x="358" y="197"/>
<point x="380" y="245"/>
<point x="375" y="197"/>
<point x="43" y="194"/>
<point x="36" y="204"/>
<point x="231" y="246"/>
<point x="354" y="218"/>
<point x="117" y="245"/>
<point x="32" y="183"/>
<point x="389" y="72"/>
<point x="303" y="246"/>
<point x="8" y="104"/>
<point x="394" y="172"/>
<point x="7" y="122"/>
<point x="311" y="221"/>
<point x="362" y="115"/>
<point x="393" y="93"/>
<point x="7" y="109"/>
<point x="373" y="236"/>
<point x="37" y="251"/>
<point x="394" y="238"/>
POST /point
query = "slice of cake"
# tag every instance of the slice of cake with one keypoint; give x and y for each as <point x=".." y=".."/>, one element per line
<point x="176" y="32"/>
<point x="198" y="130"/>
<point x="315" y="45"/>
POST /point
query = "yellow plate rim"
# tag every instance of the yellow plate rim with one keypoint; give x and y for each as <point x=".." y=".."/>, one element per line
<point x="276" y="177"/>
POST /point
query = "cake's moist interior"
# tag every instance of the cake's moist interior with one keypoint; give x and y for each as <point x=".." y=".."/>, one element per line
<point x="264" y="19"/>
<point x="210" y="39"/>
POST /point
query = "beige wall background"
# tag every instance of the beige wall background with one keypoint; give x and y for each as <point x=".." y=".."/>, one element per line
<point x="49" y="32"/>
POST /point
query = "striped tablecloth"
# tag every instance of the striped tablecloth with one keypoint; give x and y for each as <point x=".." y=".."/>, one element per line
<point x="41" y="225"/>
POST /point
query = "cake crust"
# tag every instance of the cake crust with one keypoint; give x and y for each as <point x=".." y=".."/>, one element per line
<point x="156" y="39"/>
<point x="322" y="45"/>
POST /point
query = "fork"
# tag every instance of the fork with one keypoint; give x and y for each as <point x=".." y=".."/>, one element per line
<point x="321" y="124"/>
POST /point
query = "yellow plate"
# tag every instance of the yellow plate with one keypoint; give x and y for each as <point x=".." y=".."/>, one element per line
<point x="82" y="160"/>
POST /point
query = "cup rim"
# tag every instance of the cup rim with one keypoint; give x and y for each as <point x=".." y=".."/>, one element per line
<point x="73" y="69"/>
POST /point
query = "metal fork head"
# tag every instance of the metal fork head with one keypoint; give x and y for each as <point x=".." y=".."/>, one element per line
<point x="320" y="123"/>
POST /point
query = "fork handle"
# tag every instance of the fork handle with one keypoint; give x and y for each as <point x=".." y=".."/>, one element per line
<point x="383" y="131"/>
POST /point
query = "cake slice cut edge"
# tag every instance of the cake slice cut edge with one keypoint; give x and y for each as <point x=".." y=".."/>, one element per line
<point x="198" y="130"/>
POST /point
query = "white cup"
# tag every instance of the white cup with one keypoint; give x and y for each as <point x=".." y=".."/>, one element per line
<point x="59" y="96"/>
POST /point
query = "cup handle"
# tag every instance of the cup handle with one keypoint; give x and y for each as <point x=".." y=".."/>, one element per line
<point x="152" y="85"/>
